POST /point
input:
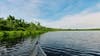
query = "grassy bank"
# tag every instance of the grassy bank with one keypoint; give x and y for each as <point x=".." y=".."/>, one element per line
<point x="14" y="28"/>
<point x="6" y="35"/>
<point x="10" y="38"/>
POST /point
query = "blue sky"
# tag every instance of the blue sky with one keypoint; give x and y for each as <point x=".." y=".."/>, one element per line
<point x="58" y="12"/>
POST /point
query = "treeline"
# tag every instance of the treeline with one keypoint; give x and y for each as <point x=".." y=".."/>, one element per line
<point x="13" y="24"/>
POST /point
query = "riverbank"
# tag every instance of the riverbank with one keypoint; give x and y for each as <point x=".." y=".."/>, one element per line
<point x="91" y="29"/>
<point x="10" y="35"/>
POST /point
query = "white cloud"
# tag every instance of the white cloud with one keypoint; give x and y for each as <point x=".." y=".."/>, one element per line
<point x="85" y="19"/>
<point x="98" y="5"/>
<point x="90" y="20"/>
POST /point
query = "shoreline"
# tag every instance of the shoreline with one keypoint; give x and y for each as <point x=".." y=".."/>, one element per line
<point x="11" y="35"/>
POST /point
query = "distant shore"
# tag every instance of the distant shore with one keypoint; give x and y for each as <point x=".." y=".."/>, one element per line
<point x="78" y="29"/>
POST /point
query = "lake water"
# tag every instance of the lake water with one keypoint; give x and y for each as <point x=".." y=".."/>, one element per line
<point x="59" y="43"/>
<point x="71" y="43"/>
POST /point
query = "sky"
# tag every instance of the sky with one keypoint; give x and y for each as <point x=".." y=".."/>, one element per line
<point x="55" y="13"/>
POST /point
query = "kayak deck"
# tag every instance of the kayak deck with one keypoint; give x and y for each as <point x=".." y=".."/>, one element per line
<point x="38" y="51"/>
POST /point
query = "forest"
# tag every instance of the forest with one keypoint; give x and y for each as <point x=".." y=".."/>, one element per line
<point x="13" y="24"/>
<point x="12" y="28"/>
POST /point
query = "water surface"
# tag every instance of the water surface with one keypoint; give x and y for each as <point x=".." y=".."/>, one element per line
<point x="59" y="43"/>
<point x="18" y="47"/>
<point x="71" y="43"/>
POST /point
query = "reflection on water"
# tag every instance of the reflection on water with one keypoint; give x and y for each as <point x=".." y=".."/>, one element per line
<point x="68" y="43"/>
<point x="17" y="47"/>
<point x="71" y="43"/>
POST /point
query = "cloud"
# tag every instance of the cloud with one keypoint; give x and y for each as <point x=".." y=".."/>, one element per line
<point x="78" y="21"/>
<point x="85" y="19"/>
<point x="98" y="5"/>
<point x="54" y="13"/>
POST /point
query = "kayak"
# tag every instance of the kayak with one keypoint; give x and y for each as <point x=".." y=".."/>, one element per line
<point x="38" y="51"/>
